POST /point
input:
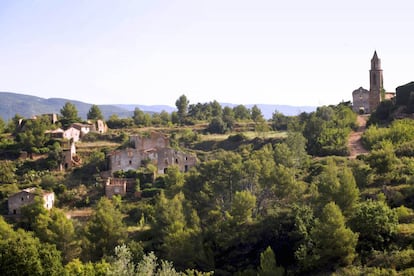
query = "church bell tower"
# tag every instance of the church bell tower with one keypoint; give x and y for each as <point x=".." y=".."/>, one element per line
<point x="375" y="83"/>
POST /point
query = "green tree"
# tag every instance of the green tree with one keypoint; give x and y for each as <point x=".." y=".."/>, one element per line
<point x="178" y="231"/>
<point x="383" y="159"/>
<point x="337" y="185"/>
<point x="122" y="264"/>
<point x="327" y="183"/>
<point x="115" y="122"/>
<point x="33" y="138"/>
<point x="25" y="255"/>
<point x="279" y="121"/>
<point x="7" y="172"/>
<point x="30" y="212"/>
<point x="296" y="143"/>
<point x="217" y="125"/>
<point x="55" y="228"/>
<point x="69" y="114"/>
<point x="257" y="115"/>
<point x="165" y="118"/>
<point x="292" y="152"/>
<point x="216" y="109"/>
<point x="174" y="180"/>
<point x="242" y="207"/>
<point x="347" y="196"/>
<point x="141" y="118"/>
<point x="334" y="242"/>
<point x="148" y="265"/>
<point x="241" y="112"/>
<point x="76" y="267"/>
<point x="228" y="117"/>
<point x="376" y="223"/>
<point x="268" y="265"/>
<point x="6" y="230"/>
<point x="94" y="113"/>
<point x="182" y="108"/>
<point x="14" y="123"/>
<point x="105" y="230"/>
<point x="287" y="186"/>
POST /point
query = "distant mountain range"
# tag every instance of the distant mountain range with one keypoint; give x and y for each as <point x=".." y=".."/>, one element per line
<point x="28" y="106"/>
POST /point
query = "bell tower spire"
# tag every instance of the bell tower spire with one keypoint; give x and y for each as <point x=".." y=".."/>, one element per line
<point x="376" y="82"/>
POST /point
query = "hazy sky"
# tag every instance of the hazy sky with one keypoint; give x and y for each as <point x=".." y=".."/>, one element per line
<point x="151" y="52"/>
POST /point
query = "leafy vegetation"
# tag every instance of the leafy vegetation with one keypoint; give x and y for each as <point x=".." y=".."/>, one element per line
<point x="285" y="201"/>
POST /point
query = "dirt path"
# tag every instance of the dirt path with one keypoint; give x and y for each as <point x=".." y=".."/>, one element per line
<point x="354" y="140"/>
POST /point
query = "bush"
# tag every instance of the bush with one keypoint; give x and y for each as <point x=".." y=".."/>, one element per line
<point x="151" y="192"/>
<point x="237" y="138"/>
<point x="146" y="186"/>
<point x="404" y="214"/>
<point x="217" y="125"/>
<point x="405" y="149"/>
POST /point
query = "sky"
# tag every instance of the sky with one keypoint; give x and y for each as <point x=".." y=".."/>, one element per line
<point x="295" y="52"/>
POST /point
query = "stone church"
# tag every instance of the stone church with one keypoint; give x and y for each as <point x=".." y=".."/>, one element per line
<point x="366" y="101"/>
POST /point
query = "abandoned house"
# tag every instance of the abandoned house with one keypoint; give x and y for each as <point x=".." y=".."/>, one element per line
<point x="83" y="128"/>
<point x="27" y="196"/>
<point x="72" y="134"/>
<point x="155" y="149"/>
<point x="115" y="186"/>
<point x="69" y="158"/>
<point x="98" y="126"/>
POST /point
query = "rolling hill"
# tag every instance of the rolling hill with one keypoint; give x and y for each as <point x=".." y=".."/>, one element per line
<point x="28" y="106"/>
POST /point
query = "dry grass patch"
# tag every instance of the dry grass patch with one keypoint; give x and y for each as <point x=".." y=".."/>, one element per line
<point x="248" y="134"/>
<point x="97" y="144"/>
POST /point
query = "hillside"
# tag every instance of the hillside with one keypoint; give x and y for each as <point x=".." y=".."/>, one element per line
<point x="224" y="203"/>
<point x="28" y="106"/>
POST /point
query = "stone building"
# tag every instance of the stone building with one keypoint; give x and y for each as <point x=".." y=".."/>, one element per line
<point x="155" y="149"/>
<point x="168" y="157"/>
<point x="99" y="126"/>
<point x="70" y="159"/>
<point x="405" y="96"/>
<point x="376" y="85"/>
<point x="27" y="196"/>
<point x="361" y="101"/>
<point x="154" y="140"/>
<point x="115" y="186"/>
<point x="367" y="101"/>
<point x="72" y="134"/>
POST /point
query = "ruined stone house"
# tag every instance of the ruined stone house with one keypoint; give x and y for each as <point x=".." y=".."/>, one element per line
<point x="27" y="196"/>
<point x="72" y="134"/>
<point x="115" y="186"/>
<point x="155" y="149"/>
<point x="69" y="159"/>
<point x="98" y="126"/>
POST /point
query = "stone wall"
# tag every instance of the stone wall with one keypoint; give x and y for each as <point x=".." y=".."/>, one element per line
<point x="125" y="159"/>
<point x="154" y="148"/>
<point x="155" y="140"/>
<point x="360" y="100"/>
<point x="27" y="196"/>
<point x="169" y="157"/>
<point x="115" y="186"/>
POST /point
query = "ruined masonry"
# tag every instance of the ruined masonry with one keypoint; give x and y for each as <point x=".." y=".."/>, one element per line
<point x="156" y="149"/>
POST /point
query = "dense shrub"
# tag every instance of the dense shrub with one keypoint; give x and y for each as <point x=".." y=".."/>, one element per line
<point x="151" y="192"/>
